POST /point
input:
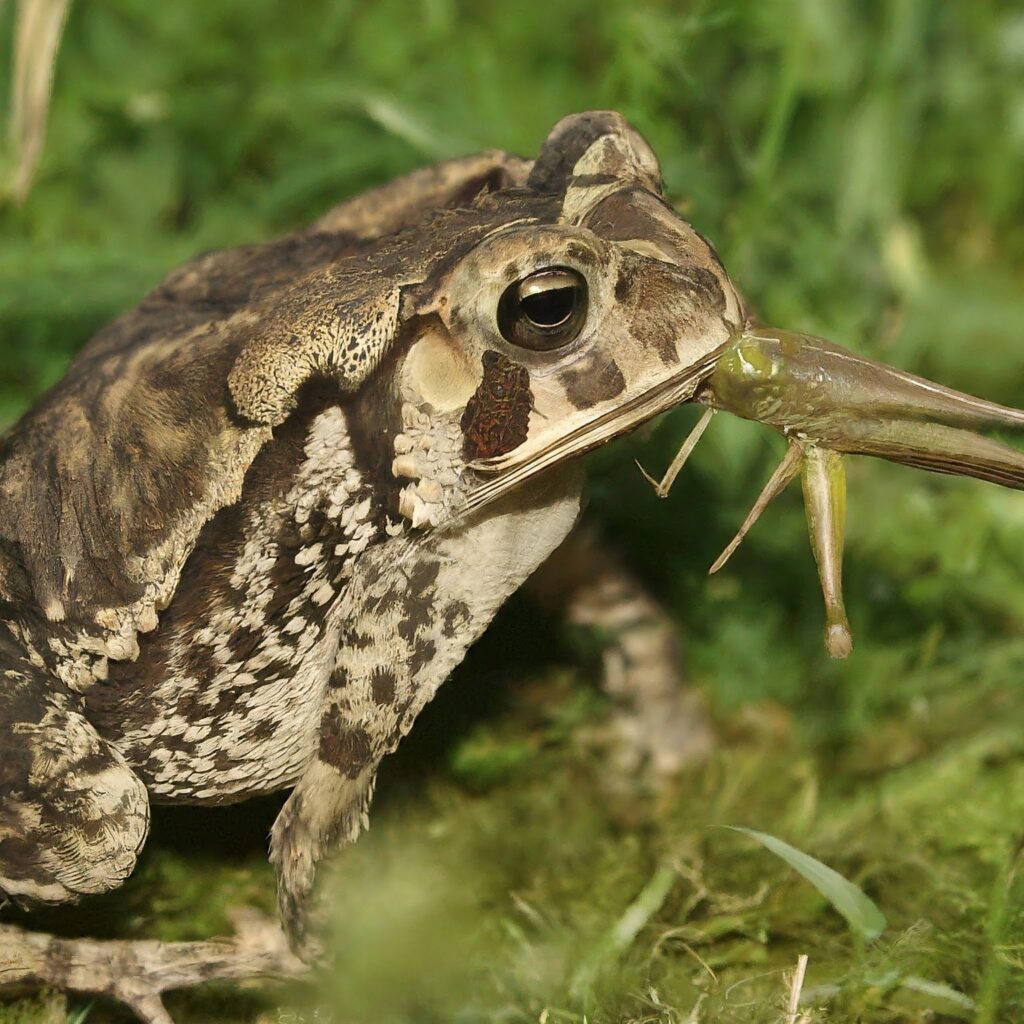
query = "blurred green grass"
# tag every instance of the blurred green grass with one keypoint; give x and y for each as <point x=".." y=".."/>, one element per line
<point x="858" y="166"/>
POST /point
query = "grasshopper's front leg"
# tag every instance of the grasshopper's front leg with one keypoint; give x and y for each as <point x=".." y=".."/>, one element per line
<point x="659" y="723"/>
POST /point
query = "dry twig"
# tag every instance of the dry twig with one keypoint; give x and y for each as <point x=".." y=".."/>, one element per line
<point x="137" y="972"/>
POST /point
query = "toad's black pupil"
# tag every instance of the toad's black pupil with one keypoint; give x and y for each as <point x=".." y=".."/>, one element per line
<point x="549" y="308"/>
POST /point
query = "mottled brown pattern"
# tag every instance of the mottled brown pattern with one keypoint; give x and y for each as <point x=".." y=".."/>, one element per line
<point x="242" y="545"/>
<point x="153" y="384"/>
<point x="55" y="825"/>
<point x="498" y="415"/>
<point x="343" y="745"/>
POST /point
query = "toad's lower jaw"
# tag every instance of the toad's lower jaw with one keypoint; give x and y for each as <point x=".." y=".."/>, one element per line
<point x="504" y="472"/>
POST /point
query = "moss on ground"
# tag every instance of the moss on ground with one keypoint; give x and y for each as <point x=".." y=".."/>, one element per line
<point x="858" y="166"/>
<point x="494" y="886"/>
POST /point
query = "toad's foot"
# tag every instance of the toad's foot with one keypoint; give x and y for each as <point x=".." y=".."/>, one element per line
<point x="136" y="972"/>
<point x="658" y="740"/>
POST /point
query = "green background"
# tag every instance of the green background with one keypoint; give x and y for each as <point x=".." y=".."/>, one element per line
<point x="859" y="167"/>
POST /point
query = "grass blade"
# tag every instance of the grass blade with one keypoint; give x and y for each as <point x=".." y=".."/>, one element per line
<point x="861" y="913"/>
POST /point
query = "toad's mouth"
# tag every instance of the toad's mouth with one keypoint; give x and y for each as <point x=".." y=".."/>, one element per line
<point x="828" y="402"/>
<point x="502" y="473"/>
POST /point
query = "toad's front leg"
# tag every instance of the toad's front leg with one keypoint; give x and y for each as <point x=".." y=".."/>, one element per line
<point x="410" y="611"/>
<point x="73" y="817"/>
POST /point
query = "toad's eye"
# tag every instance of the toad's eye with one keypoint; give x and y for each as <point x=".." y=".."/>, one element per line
<point x="545" y="310"/>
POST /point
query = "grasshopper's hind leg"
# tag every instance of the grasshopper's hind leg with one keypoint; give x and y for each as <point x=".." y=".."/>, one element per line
<point x="660" y="723"/>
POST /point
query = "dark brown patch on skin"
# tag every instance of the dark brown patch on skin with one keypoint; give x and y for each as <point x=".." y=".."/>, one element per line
<point x="497" y="417"/>
<point x="624" y="284"/>
<point x="197" y="661"/>
<point x="418" y="615"/>
<point x="586" y="385"/>
<point x="661" y="336"/>
<point x="418" y="607"/>
<point x="244" y="642"/>
<point x="423" y="576"/>
<point x="263" y="731"/>
<point x="702" y="284"/>
<point x="276" y="669"/>
<point x="342" y="745"/>
<point x="422" y="655"/>
<point x="633" y="213"/>
<point x="456" y="616"/>
<point x="383" y="682"/>
<point x="378" y="604"/>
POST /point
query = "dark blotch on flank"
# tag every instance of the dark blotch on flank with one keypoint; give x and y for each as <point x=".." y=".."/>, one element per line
<point x="383" y="683"/>
<point x="197" y="661"/>
<point x="422" y="655"/>
<point x="343" y="745"/>
<point x="456" y="615"/>
<point x="418" y="614"/>
<point x="423" y="576"/>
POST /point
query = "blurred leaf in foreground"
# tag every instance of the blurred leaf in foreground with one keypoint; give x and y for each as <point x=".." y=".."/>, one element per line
<point x="861" y="913"/>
